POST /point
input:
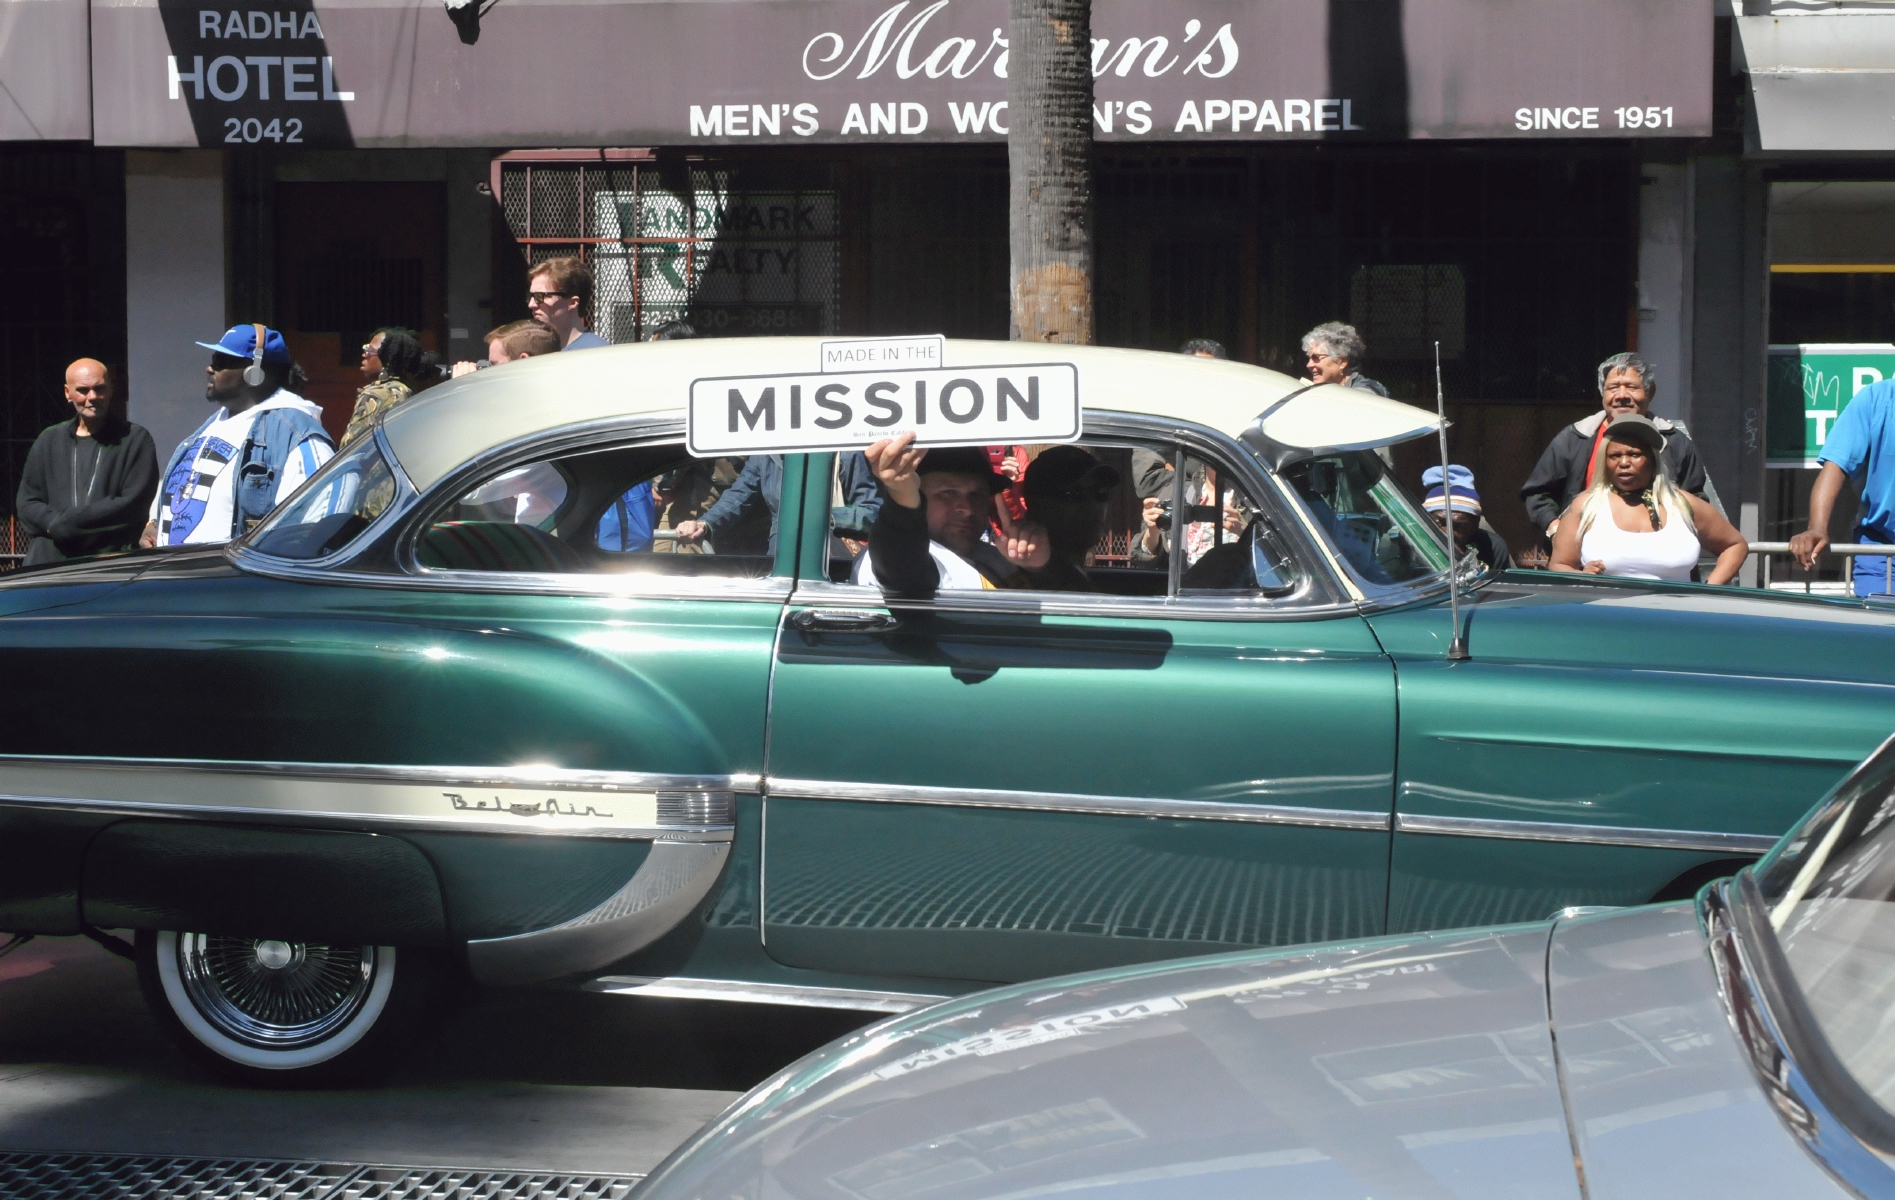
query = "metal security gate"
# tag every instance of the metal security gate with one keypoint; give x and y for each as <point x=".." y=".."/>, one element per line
<point x="685" y="242"/>
<point x="62" y="294"/>
<point x="26" y="1176"/>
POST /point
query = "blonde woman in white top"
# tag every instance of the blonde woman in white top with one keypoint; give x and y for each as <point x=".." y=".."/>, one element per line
<point x="1634" y="524"/>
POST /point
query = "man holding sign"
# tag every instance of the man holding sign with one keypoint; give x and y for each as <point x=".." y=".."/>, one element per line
<point x="929" y="533"/>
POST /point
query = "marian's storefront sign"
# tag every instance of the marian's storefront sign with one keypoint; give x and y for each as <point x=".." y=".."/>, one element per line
<point x="738" y="72"/>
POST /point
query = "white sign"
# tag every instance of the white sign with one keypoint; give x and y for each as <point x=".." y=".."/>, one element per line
<point x="837" y="410"/>
<point x="896" y="353"/>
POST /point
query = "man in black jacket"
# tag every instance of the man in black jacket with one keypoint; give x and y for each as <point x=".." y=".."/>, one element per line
<point x="1627" y="384"/>
<point x="88" y="482"/>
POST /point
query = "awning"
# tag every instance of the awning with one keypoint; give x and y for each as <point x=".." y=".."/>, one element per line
<point x="45" y="72"/>
<point x="1819" y="82"/>
<point x="798" y="72"/>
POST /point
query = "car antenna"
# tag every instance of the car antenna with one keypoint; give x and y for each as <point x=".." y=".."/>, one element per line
<point x="1457" y="645"/>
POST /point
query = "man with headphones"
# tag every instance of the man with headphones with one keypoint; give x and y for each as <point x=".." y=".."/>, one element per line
<point x="257" y="448"/>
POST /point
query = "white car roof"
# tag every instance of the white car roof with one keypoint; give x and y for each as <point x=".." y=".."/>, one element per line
<point x="452" y="422"/>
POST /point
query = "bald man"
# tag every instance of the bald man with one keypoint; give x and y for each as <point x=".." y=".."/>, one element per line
<point x="88" y="482"/>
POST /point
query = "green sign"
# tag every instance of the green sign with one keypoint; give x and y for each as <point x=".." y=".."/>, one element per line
<point x="1808" y="387"/>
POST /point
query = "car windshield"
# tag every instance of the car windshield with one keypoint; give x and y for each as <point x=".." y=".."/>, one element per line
<point x="1373" y="524"/>
<point x="332" y="509"/>
<point x="1830" y="897"/>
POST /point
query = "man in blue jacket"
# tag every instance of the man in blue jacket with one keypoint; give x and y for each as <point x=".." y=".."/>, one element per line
<point x="760" y="487"/>
<point x="258" y="447"/>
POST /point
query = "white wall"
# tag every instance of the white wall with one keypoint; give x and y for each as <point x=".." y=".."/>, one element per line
<point x="1664" y="284"/>
<point x="174" y="286"/>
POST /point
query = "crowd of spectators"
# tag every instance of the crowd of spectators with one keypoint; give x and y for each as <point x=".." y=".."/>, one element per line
<point x="1619" y="492"/>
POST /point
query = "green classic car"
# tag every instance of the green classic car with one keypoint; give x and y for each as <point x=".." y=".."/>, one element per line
<point x="454" y="710"/>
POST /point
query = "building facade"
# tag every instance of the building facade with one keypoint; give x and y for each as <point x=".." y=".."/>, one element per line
<point x="1532" y="186"/>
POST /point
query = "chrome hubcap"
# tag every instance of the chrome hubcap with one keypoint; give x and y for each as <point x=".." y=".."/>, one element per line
<point x="275" y="995"/>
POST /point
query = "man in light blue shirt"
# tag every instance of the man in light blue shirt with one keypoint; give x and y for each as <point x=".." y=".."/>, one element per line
<point x="1861" y="449"/>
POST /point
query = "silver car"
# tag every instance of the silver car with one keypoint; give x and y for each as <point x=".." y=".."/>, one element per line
<point x="1743" y="1045"/>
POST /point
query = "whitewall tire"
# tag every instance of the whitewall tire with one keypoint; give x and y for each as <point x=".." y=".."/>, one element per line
<point x="280" y="1012"/>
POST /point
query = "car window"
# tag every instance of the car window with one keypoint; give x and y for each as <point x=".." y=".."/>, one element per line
<point x="328" y="513"/>
<point x="1830" y="897"/>
<point x="650" y="509"/>
<point x="1368" y="518"/>
<point x="1112" y="513"/>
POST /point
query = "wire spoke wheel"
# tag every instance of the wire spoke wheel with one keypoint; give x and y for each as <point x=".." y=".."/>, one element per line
<point x="272" y="1005"/>
<point x="275" y="994"/>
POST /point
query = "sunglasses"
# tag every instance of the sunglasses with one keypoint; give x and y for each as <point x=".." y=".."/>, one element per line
<point x="543" y="297"/>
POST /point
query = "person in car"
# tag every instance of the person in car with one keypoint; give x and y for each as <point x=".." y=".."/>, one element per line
<point x="930" y="531"/>
<point x="1066" y="490"/>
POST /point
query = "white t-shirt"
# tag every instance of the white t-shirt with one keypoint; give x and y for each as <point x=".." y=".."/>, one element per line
<point x="956" y="572"/>
<point x="197" y="504"/>
<point x="1668" y="553"/>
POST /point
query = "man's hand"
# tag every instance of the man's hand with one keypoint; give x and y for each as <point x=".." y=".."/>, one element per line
<point x="1153" y="539"/>
<point x="1024" y="543"/>
<point x="1235" y="520"/>
<point x="896" y="464"/>
<point x="691" y="531"/>
<point x="149" y="538"/>
<point x="1808" y="546"/>
<point x="1010" y="467"/>
<point x="463" y="368"/>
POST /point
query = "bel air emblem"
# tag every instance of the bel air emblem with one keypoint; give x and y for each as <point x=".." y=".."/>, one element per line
<point x="550" y="807"/>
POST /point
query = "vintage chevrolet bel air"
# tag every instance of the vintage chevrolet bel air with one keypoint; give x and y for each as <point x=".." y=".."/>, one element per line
<point x="468" y="706"/>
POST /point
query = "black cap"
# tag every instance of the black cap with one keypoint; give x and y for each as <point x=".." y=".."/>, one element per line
<point x="963" y="460"/>
<point x="1638" y="430"/>
<point x="1069" y="473"/>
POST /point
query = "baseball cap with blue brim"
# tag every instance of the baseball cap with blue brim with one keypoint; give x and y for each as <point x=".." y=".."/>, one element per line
<point x="240" y="341"/>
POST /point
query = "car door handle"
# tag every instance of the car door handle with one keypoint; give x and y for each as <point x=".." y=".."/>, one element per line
<point x="843" y="620"/>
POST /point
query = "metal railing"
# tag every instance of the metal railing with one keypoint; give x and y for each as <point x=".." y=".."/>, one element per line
<point x="1766" y="550"/>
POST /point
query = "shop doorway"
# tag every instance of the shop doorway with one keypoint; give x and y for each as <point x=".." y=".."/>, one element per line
<point x="1832" y="333"/>
<point x="350" y="259"/>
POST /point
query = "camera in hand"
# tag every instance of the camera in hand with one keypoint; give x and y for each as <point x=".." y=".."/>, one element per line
<point x="1194" y="514"/>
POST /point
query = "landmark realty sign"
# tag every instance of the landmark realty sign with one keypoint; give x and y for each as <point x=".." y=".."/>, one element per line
<point x="738" y="72"/>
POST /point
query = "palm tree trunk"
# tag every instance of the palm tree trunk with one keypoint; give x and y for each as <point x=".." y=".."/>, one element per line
<point x="1049" y="162"/>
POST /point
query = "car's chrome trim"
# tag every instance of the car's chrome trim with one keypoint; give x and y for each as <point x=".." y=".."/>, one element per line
<point x="1588" y="835"/>
<point x="787" y="994"/>
<point x="1116" y="806"/>
<point x="1074" y="604"/>
<point x="671" y="881"/>
<point x="772" y="589"/>
<point x="521" y="775"/>
<point x="1827" y="1138"/>
<point x="528" y="799"/>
